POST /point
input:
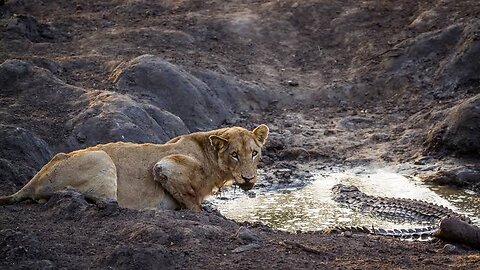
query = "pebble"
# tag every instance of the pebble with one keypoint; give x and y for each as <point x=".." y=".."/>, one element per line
<point x="246" y="248"/>
<point x="451" y="249"/>
<point x="247" y="235"/>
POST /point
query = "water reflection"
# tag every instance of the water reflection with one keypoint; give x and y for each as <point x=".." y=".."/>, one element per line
<point x="311" y="207"/>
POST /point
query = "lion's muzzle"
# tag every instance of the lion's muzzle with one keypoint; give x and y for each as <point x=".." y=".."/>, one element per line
<point x="246" y="185"/>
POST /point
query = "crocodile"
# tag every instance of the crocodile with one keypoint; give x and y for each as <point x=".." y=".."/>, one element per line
<point x="400" y="209"/>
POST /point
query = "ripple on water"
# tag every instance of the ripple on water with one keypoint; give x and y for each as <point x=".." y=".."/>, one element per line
<point x="311" y="207"/>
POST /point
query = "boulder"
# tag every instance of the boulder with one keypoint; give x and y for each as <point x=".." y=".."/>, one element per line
<point x="112" y="117"/>
<point x="173" y="89"/>
<point x="22" y="153"/>
<point x="202" y="99"/>
<point x="459" y="132"/>
<point x="41" y="115"/>
<point x="69" y="117"/>
<point x="459" y="177"/>
<point x="30" y="28"/>
<point x="238" y="95"/>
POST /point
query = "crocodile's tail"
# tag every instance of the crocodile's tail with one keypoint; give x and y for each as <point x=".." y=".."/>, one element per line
<point x="424" y="233"/>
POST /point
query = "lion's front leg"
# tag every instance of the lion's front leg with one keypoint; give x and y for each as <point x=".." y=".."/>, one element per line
<point x="176" y="174"/>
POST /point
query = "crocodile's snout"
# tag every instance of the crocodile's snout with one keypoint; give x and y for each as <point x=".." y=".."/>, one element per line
<point x="341" y="188"/>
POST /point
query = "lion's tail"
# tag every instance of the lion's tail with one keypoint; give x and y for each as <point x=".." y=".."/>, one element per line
<point x="4" y="200"/>
<point x="19" y="196"/>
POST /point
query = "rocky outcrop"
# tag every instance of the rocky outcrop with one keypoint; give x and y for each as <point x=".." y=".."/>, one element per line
<point x="203" y="101"/>
<point x="463" y="177"/>
<point x="22" y="153"/>
<point x="437" y="64"/>
<point x="28" y="27"/>
<point x="111" y="117"/>
<point x="42" y="115"/>
<point x="69" y="117"/>
<point x="459" y="132"/>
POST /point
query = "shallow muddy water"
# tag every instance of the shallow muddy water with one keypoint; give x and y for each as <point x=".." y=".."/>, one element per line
<point x="311" y="208"/>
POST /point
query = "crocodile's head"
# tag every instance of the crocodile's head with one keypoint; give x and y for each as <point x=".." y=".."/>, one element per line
<point x="341" y="188"/>
<point x="346" y="194"/>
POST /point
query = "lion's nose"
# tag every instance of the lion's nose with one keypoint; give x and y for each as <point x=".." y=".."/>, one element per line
<point x="247" y="179"/>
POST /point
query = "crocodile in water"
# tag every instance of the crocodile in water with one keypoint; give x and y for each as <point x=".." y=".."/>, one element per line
<point x="400" y="209"/>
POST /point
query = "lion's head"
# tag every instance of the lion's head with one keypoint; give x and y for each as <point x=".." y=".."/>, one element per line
<point x="239" y="152"/>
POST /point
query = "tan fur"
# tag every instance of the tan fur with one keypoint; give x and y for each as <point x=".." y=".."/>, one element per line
<point x="177" y="174"/>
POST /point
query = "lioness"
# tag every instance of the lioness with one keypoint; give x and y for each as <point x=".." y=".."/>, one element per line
<point x="177" y="174"/>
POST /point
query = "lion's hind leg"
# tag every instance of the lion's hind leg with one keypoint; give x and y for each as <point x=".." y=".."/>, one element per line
<point x="175" y="174"/>
<point x="91" y="173"/>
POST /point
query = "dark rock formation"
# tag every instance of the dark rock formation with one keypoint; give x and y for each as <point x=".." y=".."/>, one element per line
<point x="173" y="89"/>
<point x="69" y="117"/>
<point x="114" y="117"/>
<point x="41" y="115"/>
<point x="239" y="96"/>
<point x="460" y="177"/>
<point x="34" y="31"/>
<point x="459" y="132"/>
<point x="202" y="102"/>
<point x="22" y="153"/>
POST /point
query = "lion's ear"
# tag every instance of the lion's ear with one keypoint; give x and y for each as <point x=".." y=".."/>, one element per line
<point x="218" y="142"/>
<point x="261" y="133"/>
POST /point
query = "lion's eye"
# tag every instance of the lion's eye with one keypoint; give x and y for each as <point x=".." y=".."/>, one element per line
<point x="235" y="155"/>
<point x="254" y="153"/>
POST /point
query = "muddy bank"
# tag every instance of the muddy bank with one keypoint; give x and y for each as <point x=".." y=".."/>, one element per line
<point x="68" y="231"/>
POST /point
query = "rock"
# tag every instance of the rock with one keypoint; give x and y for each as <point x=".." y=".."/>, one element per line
<point x="115" y="117"/>
<point x="354" y="123"/>
<point x="202" y="99"/>
<point x="459" y="132"/>
<point x="73" y="117"/>
<point x="380" y="137"/>
<point x="424" y="160"/>
<point x="329" y="132"/>
<point x="22" y="154"/>
<point x="248" y="247"/>
<point x="34" y="31"/>
<point x="139" y="256"/>
<point x="457" y="231"/>
<point x="247" y="236"/>
<point x="173" y="89"/>
<point x="463" y="67"/>
<point x="459" y="177"/>
<point x="292" y="83"/>
<point x="67" y="204"/>
<point x="451" y="249"/>
<point x="239" y="95"/>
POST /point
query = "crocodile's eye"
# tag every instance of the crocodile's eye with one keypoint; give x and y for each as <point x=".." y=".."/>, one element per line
<point x="234" y="155"/>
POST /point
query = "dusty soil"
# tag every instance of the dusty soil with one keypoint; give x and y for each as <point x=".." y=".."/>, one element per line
<point x="347" y="82"/>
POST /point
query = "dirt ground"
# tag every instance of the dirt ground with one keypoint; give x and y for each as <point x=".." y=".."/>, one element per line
<point x="358" y="82"/>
